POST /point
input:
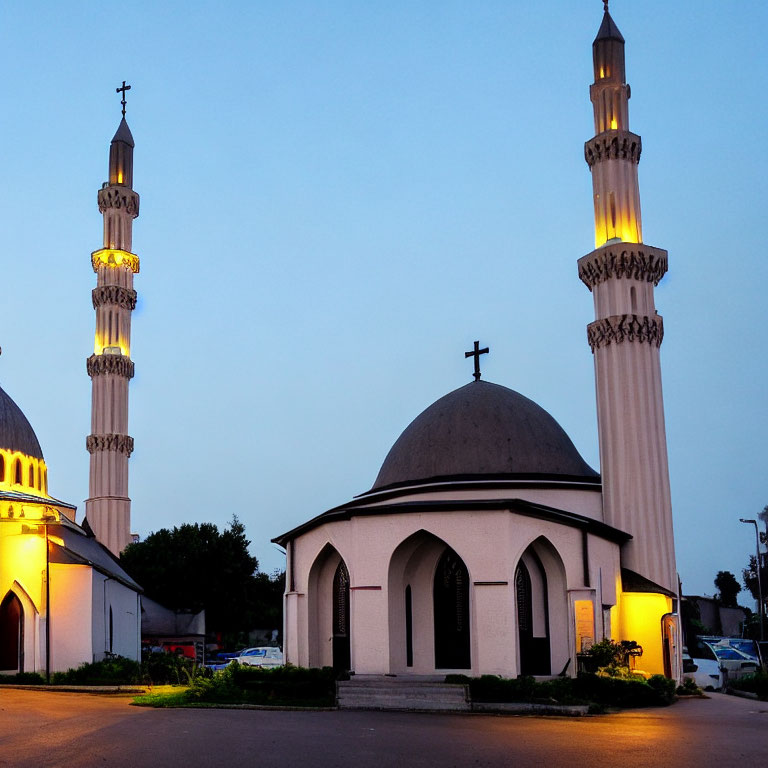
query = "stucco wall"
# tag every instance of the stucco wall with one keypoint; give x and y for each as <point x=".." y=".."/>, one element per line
<point x="375" y="550"/>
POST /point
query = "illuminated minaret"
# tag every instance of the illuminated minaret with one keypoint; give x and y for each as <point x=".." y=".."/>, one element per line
<point x="625" y="338"/>
<point x="110" y="367"/>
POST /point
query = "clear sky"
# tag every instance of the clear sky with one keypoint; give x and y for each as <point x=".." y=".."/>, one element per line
<point x="337" y="198"/>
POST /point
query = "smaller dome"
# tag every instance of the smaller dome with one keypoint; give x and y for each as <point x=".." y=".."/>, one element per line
<point x="482" y="430"/>
<point x="16" y="433"/>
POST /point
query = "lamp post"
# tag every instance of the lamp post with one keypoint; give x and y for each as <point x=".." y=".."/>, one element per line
<point x="759" y="569"/>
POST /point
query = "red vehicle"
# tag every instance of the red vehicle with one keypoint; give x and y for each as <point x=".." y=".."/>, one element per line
<point x="180" y="649"/>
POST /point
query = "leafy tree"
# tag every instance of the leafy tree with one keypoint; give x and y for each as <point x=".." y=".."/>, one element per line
<point x="749" y="576"/>
<point x="727" y="588"/>
<point x="196" y="566"/>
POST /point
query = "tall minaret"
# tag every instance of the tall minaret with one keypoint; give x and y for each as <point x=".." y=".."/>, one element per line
<point x="625" y="338"/>
<point x="110" y="367"/>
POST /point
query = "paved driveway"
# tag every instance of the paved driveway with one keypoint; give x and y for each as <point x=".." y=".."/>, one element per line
<point x="80" y="730"/>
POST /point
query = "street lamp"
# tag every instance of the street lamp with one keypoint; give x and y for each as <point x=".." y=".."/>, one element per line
<point x="759" y="580"/>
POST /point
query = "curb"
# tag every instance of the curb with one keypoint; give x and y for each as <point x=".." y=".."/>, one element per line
<point x="108" y="689"/>
<point x="523" y="708"/>
<point x="742" y="694"/>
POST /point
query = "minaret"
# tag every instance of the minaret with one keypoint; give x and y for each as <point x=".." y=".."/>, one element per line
<point x="110" y="367"/>
<point x="625" y="338"/>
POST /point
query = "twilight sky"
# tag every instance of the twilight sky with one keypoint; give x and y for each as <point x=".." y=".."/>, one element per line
<point x="337" y="198"/>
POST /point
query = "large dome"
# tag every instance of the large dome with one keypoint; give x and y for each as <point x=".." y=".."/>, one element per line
<point x="482" y="430"/>
<point x="16" y="433"/>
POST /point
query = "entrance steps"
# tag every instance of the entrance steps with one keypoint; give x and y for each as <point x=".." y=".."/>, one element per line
<point x="409" y="693"/>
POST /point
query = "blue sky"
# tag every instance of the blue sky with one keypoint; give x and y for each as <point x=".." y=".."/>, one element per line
<point x="337" y="199"/>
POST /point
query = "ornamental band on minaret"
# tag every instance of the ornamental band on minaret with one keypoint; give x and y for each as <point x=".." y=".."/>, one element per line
<point x="627" y="332"/>
<point x="108" y="507"/>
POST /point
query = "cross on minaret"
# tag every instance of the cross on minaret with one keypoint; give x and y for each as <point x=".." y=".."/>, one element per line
<point x="123" y="90"/>
<point x="476" y="352"/>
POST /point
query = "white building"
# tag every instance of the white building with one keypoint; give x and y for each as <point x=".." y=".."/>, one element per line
<point x="486" y="544"/>
<point x="64" y="598"/>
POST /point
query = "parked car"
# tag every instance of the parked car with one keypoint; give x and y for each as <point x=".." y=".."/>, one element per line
<point x="734" y="662"/>
<point x="706" y="673"/>
<point x="265" y="656"/>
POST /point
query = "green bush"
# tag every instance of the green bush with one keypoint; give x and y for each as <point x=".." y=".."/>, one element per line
<point x="115" y="671"/>
<point x="585" y="689"/>
<point x="688" y="688"/>
<point x="167" y="668"/>
<point x="757" y="683"/>
<point x="279" y="686"/>
<point x="23" y="678"/>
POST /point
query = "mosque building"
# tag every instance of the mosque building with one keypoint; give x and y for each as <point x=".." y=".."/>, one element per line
<point x="487" y="545"/>
<point x="64" y="598"/>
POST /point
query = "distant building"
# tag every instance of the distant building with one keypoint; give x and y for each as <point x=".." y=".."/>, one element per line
<point x="487" y="544"/>
<point x="718" y="619"/>
<point x="64" y="598"/>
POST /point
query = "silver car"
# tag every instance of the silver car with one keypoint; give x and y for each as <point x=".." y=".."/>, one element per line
<point x="264" y="656"/>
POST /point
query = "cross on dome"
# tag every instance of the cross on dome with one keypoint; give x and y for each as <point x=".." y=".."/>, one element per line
<point x="476" y="352"/>
<point x="122" y="90"/>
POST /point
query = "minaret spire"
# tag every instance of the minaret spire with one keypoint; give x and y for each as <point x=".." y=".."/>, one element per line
<point x="627" y="332"/>
<point x="110" y="367"/>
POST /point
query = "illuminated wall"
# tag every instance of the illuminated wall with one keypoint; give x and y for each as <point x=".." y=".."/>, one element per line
<point x="640" y="619"/>
<point x="23" y="474"/>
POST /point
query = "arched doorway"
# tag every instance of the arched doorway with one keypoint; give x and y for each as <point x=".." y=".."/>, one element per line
<point x="532" y="605"/>
<point x="541" y="610"/>
<point x="451" y="605"/>
<point x="329" y="611"/>
<point x="11" y="634"/>
<point x="341" y="655"/>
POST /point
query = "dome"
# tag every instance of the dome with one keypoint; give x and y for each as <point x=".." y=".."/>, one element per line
<point x="16" y="433"/>
<point x="482" y="430"/>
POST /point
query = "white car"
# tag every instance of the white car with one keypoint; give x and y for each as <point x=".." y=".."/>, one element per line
<point x="706" y="673"/>
<point x="734" y="662"/>
<point x="260" y="657"/>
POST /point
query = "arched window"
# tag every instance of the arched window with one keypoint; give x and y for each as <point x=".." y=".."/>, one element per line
<point x="44" y="484"/>
<point x="2" y="468"/>
<point x="31" y="476"/>
<point x="17" y="472"/>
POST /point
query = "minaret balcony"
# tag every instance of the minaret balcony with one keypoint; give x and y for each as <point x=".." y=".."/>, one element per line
<point x="634" y="261"/>
<point x="118" y="197"/>
<point x="613" y="144"/>
<point x="114" y="257"/>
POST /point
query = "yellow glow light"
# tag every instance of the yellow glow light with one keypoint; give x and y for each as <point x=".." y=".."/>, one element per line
<point x="114" y="257"/>
<point x="614" y="124"/>
<point x="9" y="473"/>
<point x="102" y="346"/>
<point x="640" y="620"/>
<point x="119" y="177"/>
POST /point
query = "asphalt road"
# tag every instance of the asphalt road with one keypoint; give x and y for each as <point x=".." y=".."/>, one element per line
<point x="76" y="730"/>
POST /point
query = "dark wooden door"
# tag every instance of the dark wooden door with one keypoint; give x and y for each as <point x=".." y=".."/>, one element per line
<point x="341" y="654"/>
<point x="534" y="651"/>
<point x="451" y="605"/>
<point x="11" y="633"/>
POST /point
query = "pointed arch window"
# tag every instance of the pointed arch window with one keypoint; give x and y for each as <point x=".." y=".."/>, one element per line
<point x="31" y="474"/>
<point x="2" y="468"/>
<point x="17" y="472"/>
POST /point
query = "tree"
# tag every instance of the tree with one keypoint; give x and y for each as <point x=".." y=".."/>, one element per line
<point x="749" y="576"/>
<point x="195" y="566"/>
<point x="727" y="589"/>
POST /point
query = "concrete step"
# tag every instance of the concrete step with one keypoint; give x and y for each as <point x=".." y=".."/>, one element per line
<point x="401" y="694"/>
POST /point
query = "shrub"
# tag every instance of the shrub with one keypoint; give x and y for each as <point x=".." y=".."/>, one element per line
<point x="279" y="686"/>
<point x="603" y="691"/>
<point x="23" y="678"/>
<point x="757" y="683"/>
<point x="115" y="671"/>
